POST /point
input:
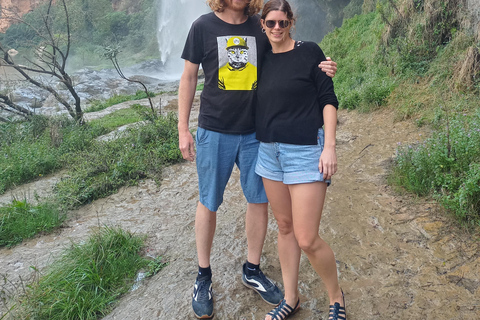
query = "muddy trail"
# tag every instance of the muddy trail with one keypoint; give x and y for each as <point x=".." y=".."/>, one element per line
<point x="398" y="257"/>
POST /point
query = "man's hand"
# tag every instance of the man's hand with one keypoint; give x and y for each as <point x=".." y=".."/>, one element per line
<point x="329" y="67"/>
<point x="186" y="145"/>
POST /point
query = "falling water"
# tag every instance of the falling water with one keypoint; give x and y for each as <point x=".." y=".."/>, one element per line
<point x="176" y="16"/>
<point x="174" y="20"/>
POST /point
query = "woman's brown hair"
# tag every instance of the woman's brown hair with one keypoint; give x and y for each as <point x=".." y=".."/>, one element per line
<point x="253" y="7"/>
<point x="279" y="5"/>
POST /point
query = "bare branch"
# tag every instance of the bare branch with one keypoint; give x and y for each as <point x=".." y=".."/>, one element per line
<point x="50" y="59"/>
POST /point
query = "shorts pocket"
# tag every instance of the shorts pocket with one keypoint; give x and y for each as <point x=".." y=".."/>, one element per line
<point x="201" y="136"/>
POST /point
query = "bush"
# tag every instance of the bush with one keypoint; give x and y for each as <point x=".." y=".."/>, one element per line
<point x="446" y="165"/>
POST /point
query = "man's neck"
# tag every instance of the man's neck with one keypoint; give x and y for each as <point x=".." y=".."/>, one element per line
<point x="232" y="16"/>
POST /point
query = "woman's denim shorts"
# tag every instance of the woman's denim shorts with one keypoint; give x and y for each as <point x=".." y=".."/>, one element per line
<point x="291" y="163"/>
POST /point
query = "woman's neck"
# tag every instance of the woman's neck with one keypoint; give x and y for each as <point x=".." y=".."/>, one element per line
<point x="284" y="46"/>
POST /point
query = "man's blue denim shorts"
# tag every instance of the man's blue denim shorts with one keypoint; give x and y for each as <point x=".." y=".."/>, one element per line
<point x="217" y="153"/>
<point x="291" y="163"/>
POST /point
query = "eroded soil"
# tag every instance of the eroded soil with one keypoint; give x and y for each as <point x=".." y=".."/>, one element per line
<point x="398" y="257"/>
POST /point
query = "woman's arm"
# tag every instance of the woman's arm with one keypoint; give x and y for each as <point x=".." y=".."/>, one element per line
<point x="328" y="159"/>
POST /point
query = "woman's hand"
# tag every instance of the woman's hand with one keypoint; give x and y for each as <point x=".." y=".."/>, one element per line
<point x="328" y="163"/>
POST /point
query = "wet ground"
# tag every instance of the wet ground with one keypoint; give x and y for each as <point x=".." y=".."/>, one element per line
<point x="398" y="257"/>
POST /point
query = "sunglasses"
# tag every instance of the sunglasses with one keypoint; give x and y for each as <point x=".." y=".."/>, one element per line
<point x="281" y="23"/>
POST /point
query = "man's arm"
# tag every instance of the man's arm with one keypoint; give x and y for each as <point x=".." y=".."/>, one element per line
<point x="329" y="67"/>
<point x="186" y="93"/>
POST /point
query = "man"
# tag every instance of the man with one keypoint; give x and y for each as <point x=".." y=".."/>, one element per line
<point x="225" y="134"/>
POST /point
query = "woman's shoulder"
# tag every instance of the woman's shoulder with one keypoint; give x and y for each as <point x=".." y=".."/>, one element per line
<point x="310" y="48"/>
<point x="308" y="45"/>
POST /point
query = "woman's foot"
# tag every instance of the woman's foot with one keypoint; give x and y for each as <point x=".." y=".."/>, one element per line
<point x="337" y="310"/>
<point x="282" y="311"/>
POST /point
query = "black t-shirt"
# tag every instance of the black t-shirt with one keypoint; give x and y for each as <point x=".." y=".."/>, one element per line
<point x="230" y="56"/>
<point x="292" y="92"/>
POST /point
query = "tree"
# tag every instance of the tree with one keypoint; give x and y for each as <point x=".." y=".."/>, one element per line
<point x="111" y="53"/>
<point x="51" y="53"/>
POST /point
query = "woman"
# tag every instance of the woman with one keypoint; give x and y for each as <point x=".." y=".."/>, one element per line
<point x="297" y="157"/>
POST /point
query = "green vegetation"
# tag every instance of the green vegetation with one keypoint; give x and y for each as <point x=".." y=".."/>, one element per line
<point x="361" y="82"/>
<point x="424" y="64"/>
<point x="88" y="279"/>
<point x="94" y="24"/>
<point x="39" y="147"/>
<point x="94" y="169"/>
<point x="108" y="165"/>
<point x="21" y="220"/>
<point x="445" y="165"/>
<point x="116" y="99"/>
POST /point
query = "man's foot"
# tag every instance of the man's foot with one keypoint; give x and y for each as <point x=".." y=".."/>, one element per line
<point x="263" y="286"/>
<point x="202" y="300"/>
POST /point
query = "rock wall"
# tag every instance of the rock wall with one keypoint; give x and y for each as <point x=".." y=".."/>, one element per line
<point x="474" y="8"/>
<point x="12" y="8"/>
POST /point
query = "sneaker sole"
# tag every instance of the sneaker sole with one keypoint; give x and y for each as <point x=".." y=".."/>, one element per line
<point x="254" y="289"/>
<point x="204" y="316"/>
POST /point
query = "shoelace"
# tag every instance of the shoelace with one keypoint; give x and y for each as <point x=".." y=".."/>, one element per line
<point x="203" y="290"/>
<point x="265" y="280"/>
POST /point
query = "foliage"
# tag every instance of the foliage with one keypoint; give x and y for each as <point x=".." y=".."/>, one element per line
<point x="35" y="148"/>
<point x="361" y="81"/>
<point x="116" y="99"/>
<point x="20" y="220"/>
<point x="94" y="23"/>
<point x="446" y="165"/>
<point x="88" y="279"/>
<point x="109" y="165"/>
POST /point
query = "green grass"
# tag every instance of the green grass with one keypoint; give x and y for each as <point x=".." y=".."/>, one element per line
<point x="94" y="169"/>
<point x="89" y="278"/>
<point x="21" y="220"/>
<point x="108" y="165"/>
<point x="116" y="99"/>
<point x="119" y="118"/>
<point x="32" y="149"/>
<point x="362" y="81"/>
<point x="446" y="165"/>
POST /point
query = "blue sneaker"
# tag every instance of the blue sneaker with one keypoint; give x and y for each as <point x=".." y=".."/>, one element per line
<point x="202" y="300"/>
<point x="263" y="286"/>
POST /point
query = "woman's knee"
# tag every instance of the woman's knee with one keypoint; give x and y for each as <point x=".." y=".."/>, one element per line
<point x="310" y="243"/>
<point x="285" y="226"/>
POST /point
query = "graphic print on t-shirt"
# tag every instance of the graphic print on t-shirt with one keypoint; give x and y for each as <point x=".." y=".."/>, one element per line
<point x="237" y="57"/>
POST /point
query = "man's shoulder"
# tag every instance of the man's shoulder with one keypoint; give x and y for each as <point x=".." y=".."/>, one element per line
<point x="204" y="19"/>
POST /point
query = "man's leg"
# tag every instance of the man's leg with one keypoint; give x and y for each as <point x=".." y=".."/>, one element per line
<point x="256" y="221"/>
<point x="213" y="176"/>
<point x="256" y="228"/>
<point x="205" y="224"/>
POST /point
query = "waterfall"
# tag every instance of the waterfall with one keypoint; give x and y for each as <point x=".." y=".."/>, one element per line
<point x="175" y="18"/>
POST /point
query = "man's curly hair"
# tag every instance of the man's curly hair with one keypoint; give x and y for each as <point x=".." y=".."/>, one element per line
<point x="253" y="7"/>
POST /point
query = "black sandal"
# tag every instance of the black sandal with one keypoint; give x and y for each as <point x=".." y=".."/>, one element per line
<point x="337" y="312"/>
<point x="283" y="310"/>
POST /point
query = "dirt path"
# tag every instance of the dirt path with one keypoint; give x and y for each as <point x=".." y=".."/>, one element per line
<point x="398" y="258"/>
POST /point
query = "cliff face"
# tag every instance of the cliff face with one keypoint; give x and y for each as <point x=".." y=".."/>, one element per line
<point x="11" y="8"/>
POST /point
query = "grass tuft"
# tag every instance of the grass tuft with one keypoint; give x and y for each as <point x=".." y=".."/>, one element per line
<point x="21" y="220"/>
<point x="87" y="280"/>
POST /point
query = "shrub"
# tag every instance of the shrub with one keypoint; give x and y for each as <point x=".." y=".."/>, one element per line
<point x="446" y="165"/>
